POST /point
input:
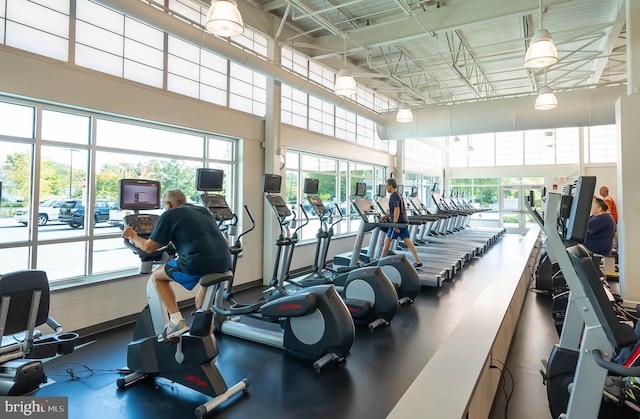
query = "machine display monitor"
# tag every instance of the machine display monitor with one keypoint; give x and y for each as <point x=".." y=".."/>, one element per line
<point x="271" y="183"/>
<point x="382" y="190"/>
<point x="311" y="186"/>
<point x="361" y="189"/>
<point x="139" y="194"/>
<point x="401" y="189"/>
<point x="580" y="208"/>
<point x="414" y="191"/>
<point x="209" y="180"/>
<point x="532" y="198"/>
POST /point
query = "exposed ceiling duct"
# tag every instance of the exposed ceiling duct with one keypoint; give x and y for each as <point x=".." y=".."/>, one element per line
<point x="577" y="108"/>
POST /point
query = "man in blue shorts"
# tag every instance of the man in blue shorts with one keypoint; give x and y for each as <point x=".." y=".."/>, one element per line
<point x="201" y="248"/>
<point x="398" y="212"/>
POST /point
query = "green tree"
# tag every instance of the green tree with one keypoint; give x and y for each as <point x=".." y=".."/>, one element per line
<point x="108" y="178"/>
<point x="54" y="179"/>
<point x="17" y="166"/>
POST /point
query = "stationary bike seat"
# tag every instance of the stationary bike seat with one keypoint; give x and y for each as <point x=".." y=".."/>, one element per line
<point x="215" y="278"/>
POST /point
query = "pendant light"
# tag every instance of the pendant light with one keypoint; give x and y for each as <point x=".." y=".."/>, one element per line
<point x="345" y="83"/>
<point x="541" y="52"/>
<point x="404" y="114"/>
<point x="546" y="99"/>
<point x="224" y="19"/>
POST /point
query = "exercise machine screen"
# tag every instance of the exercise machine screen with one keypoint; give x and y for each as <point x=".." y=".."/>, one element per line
<point x="139" y="194"/>
<point x="311" y="186"/>
<point x="271" y="183"/>
<point x="209" y="180"/>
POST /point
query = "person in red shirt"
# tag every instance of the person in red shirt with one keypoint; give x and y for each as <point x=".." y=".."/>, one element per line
<point x="604" y="193"/>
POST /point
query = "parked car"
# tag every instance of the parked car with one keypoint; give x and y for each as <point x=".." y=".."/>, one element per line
<point x="72" y="212"/>
<point x="47" y="211"/>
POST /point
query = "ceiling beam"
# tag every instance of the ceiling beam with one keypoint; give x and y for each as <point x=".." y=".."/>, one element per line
<point x="608" y="44"/>
<point x="272" y="5"/>
<point x="446" y="18"/>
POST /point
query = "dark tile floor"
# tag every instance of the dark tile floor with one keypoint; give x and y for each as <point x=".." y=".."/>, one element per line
<point x="381" y="367"/>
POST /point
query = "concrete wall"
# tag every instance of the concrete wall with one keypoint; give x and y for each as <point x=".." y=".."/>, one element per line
<point x="606" y="175"/>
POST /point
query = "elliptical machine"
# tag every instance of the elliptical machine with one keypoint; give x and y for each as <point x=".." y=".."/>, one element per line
<point x="315" y="323"/>
<point x="369" y="295"/>
<point x="188" y="360"/>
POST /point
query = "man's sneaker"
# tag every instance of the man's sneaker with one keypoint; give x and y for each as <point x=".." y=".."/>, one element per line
<point x="172" y="331"/>
<point x="417" y="265"/>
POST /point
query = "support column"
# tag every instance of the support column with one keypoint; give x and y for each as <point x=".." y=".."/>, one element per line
<point x="400" y="158"/>
<point x="627" y="127"/>
<point x="628" y="202"/>
<point x="581" y="134"/>
<point x="273" y="158"/>
<point x="633" y="44"/>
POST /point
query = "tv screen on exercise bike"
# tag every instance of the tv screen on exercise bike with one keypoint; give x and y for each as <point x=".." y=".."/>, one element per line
<point x="139" y="194"/>
<point x="209" y="180"/>
<point x="361" y="189"/>
<point x="382" y="190"/>
<point x="271" y="183"/>
<point x="311" y="186"/>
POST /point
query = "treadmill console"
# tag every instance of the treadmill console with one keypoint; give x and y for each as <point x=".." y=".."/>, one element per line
<point x="218" y="206"/>
<point x="279" y="205"/>
<point x="364" y="207"/>
<point x="142" y="224"/>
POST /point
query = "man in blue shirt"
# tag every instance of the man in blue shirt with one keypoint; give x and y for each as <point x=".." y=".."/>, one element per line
<point x="601" y="228"/>
<point x="201" y="248"/>
<point x="398" y="214"/>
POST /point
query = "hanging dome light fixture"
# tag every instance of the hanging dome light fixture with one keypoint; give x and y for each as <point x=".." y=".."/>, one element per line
<point x="224" y="19"/>
<point x="345" y="83"/>
<point x="404" y="114"/>
<point x="542" y="51"/>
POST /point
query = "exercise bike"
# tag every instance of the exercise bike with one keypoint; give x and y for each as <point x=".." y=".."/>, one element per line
<point x="189" y="359"/>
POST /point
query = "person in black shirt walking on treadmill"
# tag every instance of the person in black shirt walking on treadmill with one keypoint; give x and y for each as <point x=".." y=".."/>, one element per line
<point x="398" y="214"/>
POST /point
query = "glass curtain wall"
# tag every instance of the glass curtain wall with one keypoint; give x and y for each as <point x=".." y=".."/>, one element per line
<point x="337" y="181"/>
<point x="59" y="175"/>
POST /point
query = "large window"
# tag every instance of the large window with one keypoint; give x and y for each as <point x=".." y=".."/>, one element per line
<point x="424" y="153"/>
<point x="536" y="147"/>
<point x="41" y="27"/>
<point x="601" y="144"/>
<point x="59" y="205"/>
<point x="504" y="197"/>
<point x="337" y="180"/>
<point x="196" y="72"/>
<point x="113" y="43"/>
<point x="306" y="111"/>
<point x="423" y="185"/>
